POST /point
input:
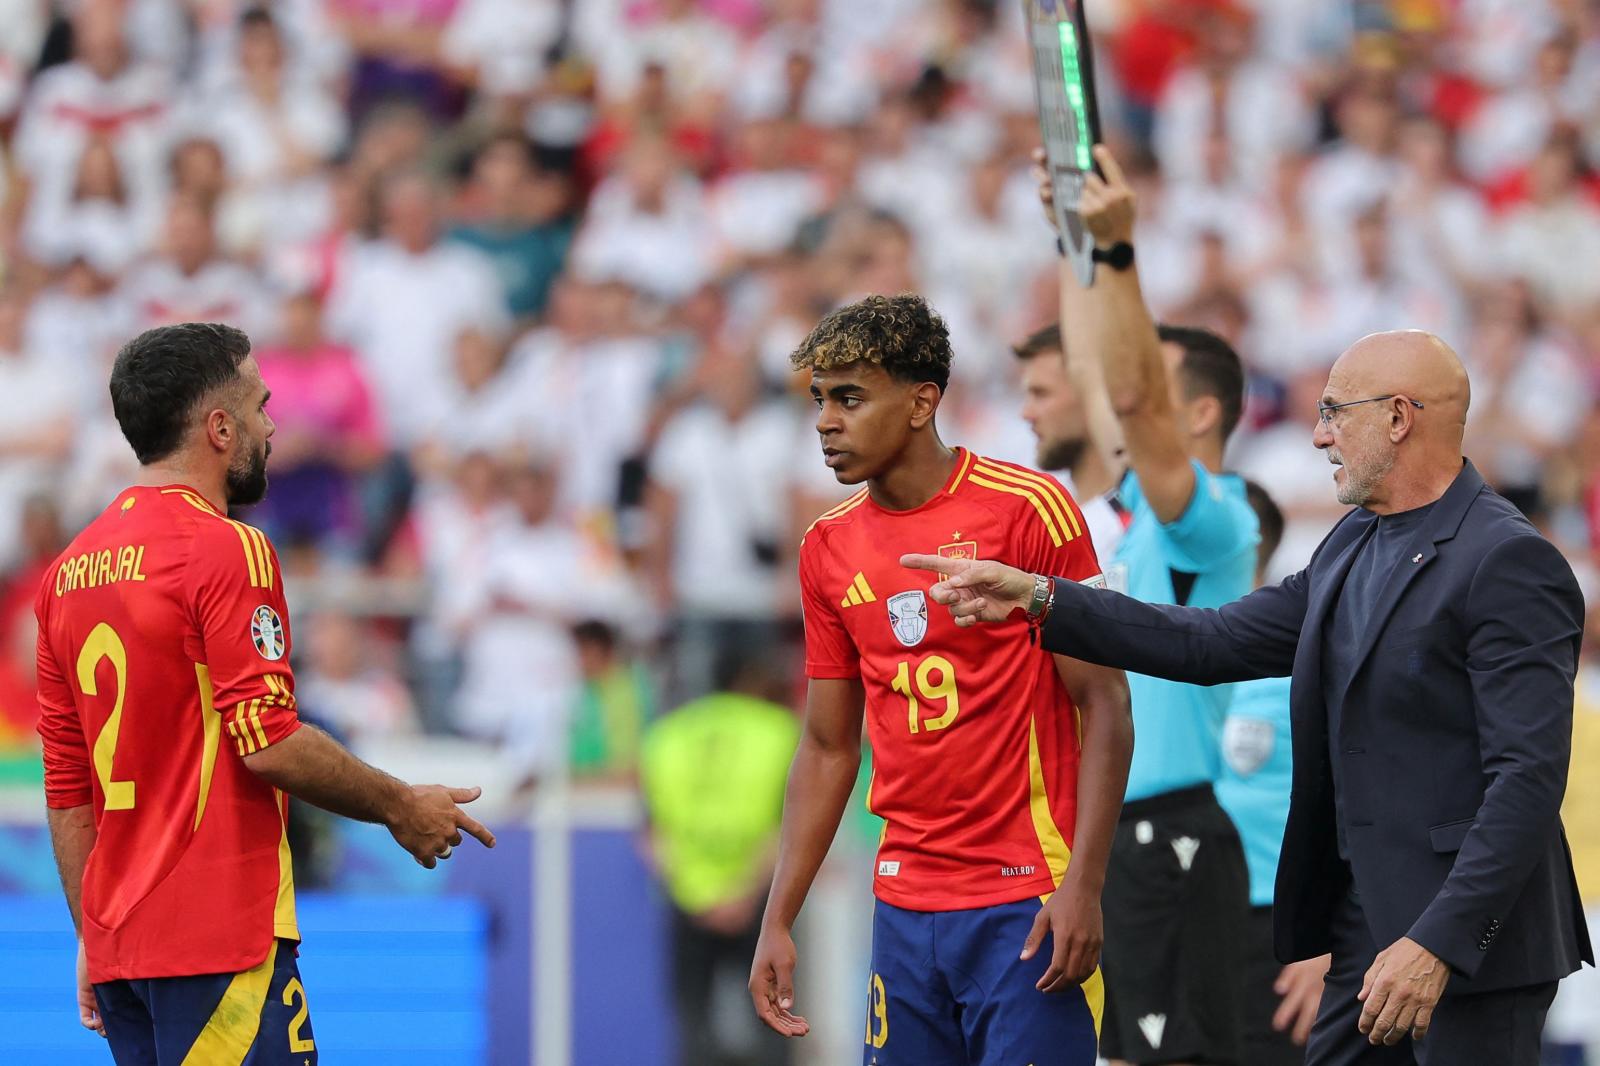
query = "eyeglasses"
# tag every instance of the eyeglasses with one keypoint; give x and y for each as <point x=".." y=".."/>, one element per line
<point x="1325" y="410"/>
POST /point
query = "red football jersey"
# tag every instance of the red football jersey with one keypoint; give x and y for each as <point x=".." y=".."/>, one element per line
<point x="975" y="740"/>
<point x="163" y="659"/>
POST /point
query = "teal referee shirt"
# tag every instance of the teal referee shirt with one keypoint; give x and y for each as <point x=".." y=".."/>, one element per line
<point x="1205" y="559"/>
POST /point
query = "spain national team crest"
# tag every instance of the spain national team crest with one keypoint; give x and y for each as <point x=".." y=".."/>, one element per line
<point x="908" y="617"/>
<point x="266" y="633"/>
<point x="965" y="549"/>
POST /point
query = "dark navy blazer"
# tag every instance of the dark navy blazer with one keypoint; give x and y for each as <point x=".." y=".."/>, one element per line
<point x="1454" y="738"/>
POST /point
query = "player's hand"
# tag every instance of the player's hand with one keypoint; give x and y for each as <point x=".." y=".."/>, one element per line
<point x="1072" y="919"/>
<point x="1047" y="188"/>
<point x="975" y="590"/>
<point x="772" y="983"/>
<point x="1401" y="988"/>
<point x="1107" y="205"/>
<point x="429" y="824"/>
<point x="1300" y="985"/>
<point x="88" y="1009"/>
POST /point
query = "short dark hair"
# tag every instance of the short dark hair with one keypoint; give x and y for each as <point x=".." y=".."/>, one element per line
<point x="901" y="333"/>
<point x="163" y="373"/>
<point x="1269" y="517"/>
<point x="1210" y="367"/>
<point x="1044" y="341"/>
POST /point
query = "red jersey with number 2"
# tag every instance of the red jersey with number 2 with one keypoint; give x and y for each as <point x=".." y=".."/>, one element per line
<point x="163" y="660"/>
<point x="975" y="740"/>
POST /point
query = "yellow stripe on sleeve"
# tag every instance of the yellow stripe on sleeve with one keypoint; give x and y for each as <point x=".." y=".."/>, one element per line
<point x="255" y="720"/>
<point x="1027" y="494"/>
<point x="838" y="511"/>
<point x="1051" y="488"/>
<point x="242" y="732"/>
<point x="1053" y="499"/>
<point x="249" y="554"/>
<point x="211" y="728"/>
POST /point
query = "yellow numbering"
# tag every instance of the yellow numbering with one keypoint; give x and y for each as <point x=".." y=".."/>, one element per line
<point x="877" y="1012"/>
<point x="294" y="989"/>
<point x="103" y="643"/>
<point x="925" y="687"/>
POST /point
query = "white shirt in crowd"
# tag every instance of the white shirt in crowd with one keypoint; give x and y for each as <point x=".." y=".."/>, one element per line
<point x="731" y="482"/>
<point x="402" y="313"/>
<point x="157" y="293"/>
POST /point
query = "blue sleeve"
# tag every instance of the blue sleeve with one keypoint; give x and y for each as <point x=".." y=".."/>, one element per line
<point x="1217" y="525"/>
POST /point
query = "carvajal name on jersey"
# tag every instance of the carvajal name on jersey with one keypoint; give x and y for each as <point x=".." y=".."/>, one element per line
<point x="93" y="569"/>
<point x="1017" y="871"/>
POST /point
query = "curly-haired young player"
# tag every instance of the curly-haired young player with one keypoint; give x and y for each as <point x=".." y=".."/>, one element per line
<point x="998" y="768"/>
<point x="170" y="734"/>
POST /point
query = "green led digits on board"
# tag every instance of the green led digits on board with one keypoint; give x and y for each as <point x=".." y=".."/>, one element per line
<point x="1074" y="79"/>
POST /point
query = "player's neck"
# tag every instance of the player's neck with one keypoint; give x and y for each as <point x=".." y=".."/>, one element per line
<point x="1209" y="451"/>
<point x="919" y="475"/>
<point x="177" y="472"/>
<point x="1091" y="476"/>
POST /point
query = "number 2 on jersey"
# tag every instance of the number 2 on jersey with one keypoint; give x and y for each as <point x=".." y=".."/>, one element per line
<point x="103" y="643"/>
<point x="944" y="690"/>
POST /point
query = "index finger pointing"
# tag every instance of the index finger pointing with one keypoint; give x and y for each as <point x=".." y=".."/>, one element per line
<point x="473" y="826"/>
<point x="1109" y="165"/>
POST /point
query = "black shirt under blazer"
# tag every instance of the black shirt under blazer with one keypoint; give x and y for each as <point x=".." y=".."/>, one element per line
<point x="1454" y="739"/>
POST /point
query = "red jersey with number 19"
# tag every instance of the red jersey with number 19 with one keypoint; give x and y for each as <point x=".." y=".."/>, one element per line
<point x="163" y="660"/>
<point x="975" y="740"/>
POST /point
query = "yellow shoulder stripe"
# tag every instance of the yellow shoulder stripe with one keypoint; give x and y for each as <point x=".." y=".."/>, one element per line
<point x="966" y="461"/>
<point x="1054" y="498"/>
<point x="1029" y="495"/>
<point x="257" y="555"/>
<point x="838" y="511"/>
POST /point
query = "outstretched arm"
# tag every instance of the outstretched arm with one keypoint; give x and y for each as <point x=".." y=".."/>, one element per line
<point x="820" y="781"/>
<point x="1249" y="638"/>
<point x="423" y="819"/>
<point x="1114" y="353"/>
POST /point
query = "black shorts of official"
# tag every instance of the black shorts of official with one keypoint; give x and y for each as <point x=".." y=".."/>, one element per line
<point x="1260" y="1043"/>
<point x="1176" y="905"/>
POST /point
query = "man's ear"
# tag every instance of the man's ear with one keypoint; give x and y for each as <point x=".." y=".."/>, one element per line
<point x="924" y="402"/>
<point x="1402" y="420"/>
<point x="1205" y="415"/>
<point x="219" y="429"/>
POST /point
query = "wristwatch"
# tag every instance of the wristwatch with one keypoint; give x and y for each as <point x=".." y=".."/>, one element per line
<point x="1118" y="257"/>
<point x="1044" y="597"/>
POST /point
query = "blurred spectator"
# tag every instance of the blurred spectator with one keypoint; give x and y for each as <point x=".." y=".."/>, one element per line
<point x="274" y="129"/>
<point x="1558" y="227"/>
<point x="712" y="773"/>
<point x="521" y="218"/>
<point x="191" y="281"/>
<point x="328" y="434"/>
<point x="1226" y="89"/>
<point x="103" y="94"/>
<point x="756" y="208"/>
<point x="615" y="702"/>
<point x="37" y="399"/>
<point x="717" y="497"/>
<point x="346" y="685"/>
<point x="520" y="678"/>
<point x="95" y="217"/>
<point x="647" y="225"/>
<point x="40" y="540"/>
<point x="405" y="299"/>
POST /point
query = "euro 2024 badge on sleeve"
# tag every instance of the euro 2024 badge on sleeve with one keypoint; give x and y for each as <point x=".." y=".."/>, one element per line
<point x="908" y="617"/>
<point x="266" y="633"/>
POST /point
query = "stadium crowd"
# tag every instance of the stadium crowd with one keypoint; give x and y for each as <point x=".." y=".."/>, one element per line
<point x="524" y="277"/>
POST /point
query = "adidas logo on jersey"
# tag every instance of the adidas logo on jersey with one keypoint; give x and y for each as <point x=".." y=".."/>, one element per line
<point x="858" y="593"/>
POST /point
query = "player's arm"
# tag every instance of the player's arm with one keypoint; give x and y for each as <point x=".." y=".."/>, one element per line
<point x="235" y="586"/>
<point x="820" y="781"/>
<point x="1110" y="320"/>
<point x="1073" y="914"/>
<point x="424" y="819"/>
<point x="68" y="799"/>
